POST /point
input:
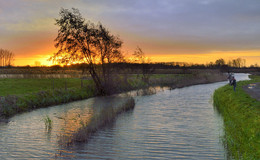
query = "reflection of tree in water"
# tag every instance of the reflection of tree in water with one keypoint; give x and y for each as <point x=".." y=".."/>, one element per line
<point x="80" y="124"/>
<point x="71" y="121"/>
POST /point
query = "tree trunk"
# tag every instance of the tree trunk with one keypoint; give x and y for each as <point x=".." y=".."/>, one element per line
<point x="96" y="79"/>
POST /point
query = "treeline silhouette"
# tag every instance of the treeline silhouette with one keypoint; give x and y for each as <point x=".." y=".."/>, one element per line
<point x="127" y="67"/>
<point x="124" y="69"/>
<point x="218" y="64"/>
<point x="6" y="58"/>
<point x="156" y="65"/>
<point x="134" y="67"/>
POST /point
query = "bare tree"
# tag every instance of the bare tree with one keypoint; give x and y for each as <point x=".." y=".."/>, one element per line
<point x="144" y="61"/>
<point x="139" y="55"/>
<point x="239" y="62"/>
<point x="243" y="63"/>
<point x="84" y="42"/>
<point x="6" y="58"/>
<point x="220" y="62"/>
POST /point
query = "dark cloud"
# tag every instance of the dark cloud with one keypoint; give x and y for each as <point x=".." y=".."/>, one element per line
<point x="221" y="24"/>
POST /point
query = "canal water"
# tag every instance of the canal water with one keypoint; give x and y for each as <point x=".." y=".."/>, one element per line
<point x="171" y="124"/>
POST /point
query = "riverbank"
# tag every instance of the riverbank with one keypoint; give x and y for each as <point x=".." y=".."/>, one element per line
<point x="32" y="93"/>
<point x="241" y="115"/>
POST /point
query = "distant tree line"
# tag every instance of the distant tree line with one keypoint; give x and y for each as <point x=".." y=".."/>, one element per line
<point x="146" y="67"/>
<point x="237" y="63"/>
<point x="142" y="63"/>
<point x="6" y="58"/>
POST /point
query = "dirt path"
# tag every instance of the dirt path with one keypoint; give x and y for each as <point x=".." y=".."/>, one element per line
<point x="253" y="90"/>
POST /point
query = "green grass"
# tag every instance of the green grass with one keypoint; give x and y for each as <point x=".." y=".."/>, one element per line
<point x="24" y="86"/>
<point x="255" y="78"/>
<point x="11" y="105"/>
<point x="20" y="95"/>
<point x="241" y="115"/>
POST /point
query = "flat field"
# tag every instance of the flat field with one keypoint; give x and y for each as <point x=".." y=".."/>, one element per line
<point x="24" y="86"/>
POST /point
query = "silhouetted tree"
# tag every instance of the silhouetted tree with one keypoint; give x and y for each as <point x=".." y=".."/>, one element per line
<point x="239" y="62"/>
<point x="144" y="61"/>
<point x="6" y="58"/>
<point x="244" y="62"/>
<point x="139" y="55"/>
<point x="84" y="42"/>
<point x="220" y="62"/>
<point x="108" y="49"/>
<point x="236" y="62"/>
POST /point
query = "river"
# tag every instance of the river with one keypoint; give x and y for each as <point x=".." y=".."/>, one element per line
<point x="171" y="124"/>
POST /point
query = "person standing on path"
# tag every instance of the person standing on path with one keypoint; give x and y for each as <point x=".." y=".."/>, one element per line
<point x="234" y="83"/>
<point x="230" y="77"/>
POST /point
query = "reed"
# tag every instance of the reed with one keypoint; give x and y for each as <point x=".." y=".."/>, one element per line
<point x="48" y="122"/>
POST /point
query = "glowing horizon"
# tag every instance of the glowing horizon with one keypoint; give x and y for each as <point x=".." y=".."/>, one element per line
<point x="189" y="58"/>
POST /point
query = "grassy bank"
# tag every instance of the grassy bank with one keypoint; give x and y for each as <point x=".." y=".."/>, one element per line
<point x="13" y="104"/>
<point x="241" y="115"/>
<point x="19" y="95"/>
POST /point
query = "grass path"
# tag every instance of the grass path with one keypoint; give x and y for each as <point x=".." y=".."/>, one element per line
<point x="241" y="115"/>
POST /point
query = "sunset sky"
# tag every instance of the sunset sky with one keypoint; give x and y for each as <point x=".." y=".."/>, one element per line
<point x="197" y="31"/>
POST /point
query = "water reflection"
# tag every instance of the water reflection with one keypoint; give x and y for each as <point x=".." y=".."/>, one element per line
<point x="71" y="121"/>
<point x="25" y="136"/>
